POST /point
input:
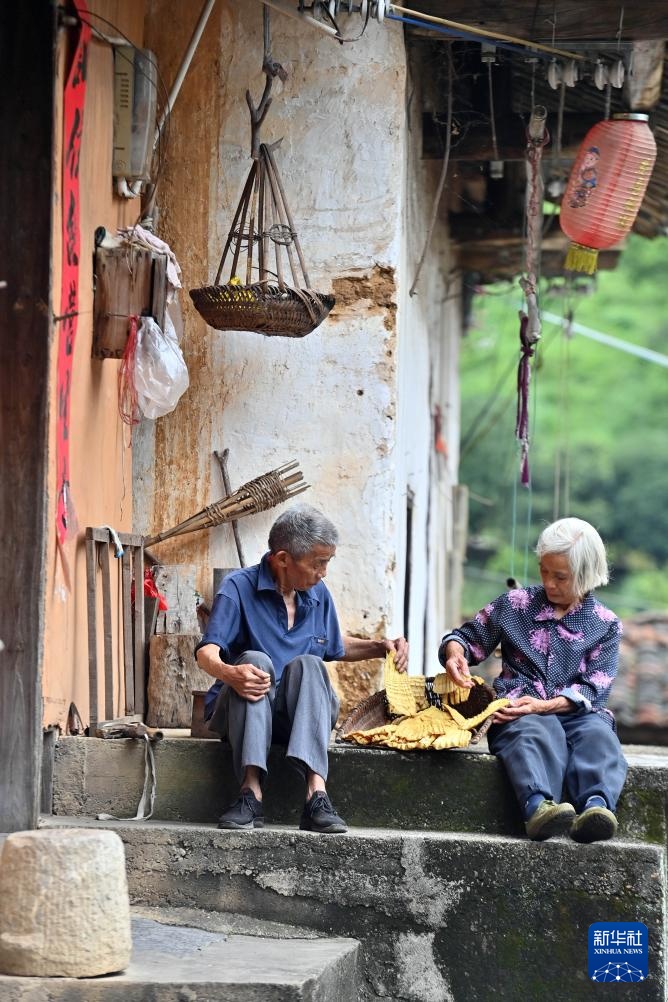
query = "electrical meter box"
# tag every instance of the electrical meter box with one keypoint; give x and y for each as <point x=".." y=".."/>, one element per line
<point x="135" y="104"/>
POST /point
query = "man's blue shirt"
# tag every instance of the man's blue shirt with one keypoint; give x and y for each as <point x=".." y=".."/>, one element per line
<point x="249" y="614"/>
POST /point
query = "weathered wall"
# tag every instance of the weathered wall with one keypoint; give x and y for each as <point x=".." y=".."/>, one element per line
<point x="328" y="400"/>
<point x="100" y="459"/>
<point x="353" y="400"/>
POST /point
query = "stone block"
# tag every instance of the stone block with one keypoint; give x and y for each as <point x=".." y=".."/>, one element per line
<point x="65" y="905"/>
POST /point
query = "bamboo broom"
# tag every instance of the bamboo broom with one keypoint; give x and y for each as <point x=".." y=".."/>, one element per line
<point x="257" y="495"/>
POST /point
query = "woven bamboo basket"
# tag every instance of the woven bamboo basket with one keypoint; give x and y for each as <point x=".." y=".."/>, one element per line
<point x="263" y="240"/>
<point x="263" y="308"/>
<point x="373" y="711"/>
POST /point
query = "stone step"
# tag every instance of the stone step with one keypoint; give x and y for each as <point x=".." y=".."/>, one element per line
<point x="184" y="963"/>
<point x="440" y="917"/>
<point x="456" y="791"/>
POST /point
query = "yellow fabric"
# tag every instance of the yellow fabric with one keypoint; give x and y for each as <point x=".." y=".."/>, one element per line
<point x="428" y="726"/>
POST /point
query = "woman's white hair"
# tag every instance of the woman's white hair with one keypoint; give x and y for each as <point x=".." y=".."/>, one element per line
<point x="584" y="548"/>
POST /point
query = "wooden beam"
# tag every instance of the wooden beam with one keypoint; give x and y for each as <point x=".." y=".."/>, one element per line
<point x="27" y="57"/>
<point x="476" y="145"/>
<point x="496" y="261"/>
<point x="532" y="19"/>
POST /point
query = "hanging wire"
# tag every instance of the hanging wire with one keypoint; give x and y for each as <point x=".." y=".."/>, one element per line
<point x="495" y="147"/>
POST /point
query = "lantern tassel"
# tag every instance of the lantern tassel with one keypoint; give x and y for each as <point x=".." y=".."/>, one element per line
<point x="581" y="258"/>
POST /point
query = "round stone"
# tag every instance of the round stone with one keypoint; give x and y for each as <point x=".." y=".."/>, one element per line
<point x="65" y="905"/>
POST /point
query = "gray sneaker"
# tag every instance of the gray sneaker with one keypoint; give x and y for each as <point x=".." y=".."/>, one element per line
<point x="245" y="812"/>
<point x="550" y="819"/>
<point x="319" y="816"/>
<point x="596" y="824"/>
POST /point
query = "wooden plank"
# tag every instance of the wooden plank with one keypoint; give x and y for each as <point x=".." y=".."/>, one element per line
<point x="139" y="665"/>
<point x="532" y="19"/>
<point x="122" y="289"/>
<point x="107" y="631"/>
<point x="131" y="539"/>
<point x="159" y="289"/>
<point x="128" y="664"/>
<point x="91" y="574"/>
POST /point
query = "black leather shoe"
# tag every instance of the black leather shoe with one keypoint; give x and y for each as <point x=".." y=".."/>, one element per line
<point x="245" y="812"/>
<point x="319" y="816"/>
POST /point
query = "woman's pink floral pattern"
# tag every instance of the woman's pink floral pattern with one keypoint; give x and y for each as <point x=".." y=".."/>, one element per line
<point x="540" y="640"/>
<point x="519" y="598"/>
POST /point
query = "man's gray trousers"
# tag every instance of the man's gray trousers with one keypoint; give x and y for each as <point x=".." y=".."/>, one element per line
<point x="299" y="712"/>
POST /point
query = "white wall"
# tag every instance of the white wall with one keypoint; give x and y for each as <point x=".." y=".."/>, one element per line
<point x="428" y="377"/>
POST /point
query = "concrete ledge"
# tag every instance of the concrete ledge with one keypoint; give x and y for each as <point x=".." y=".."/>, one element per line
<point x="440" y="918"/>
<point x="457" y="791"/>
<point x="174" y="964"/>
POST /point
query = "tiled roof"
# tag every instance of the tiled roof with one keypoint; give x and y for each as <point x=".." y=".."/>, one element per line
<point x="640" y="695"/>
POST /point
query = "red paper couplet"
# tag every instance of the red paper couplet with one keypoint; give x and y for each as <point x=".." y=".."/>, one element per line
<point x="73" y="110"/>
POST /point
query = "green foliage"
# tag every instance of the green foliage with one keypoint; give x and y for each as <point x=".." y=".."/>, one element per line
<point x="599" y="420"/>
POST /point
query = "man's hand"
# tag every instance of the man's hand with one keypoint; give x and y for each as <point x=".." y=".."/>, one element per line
<point x="249" y="682"/>
<point x="457" y="667"/>
<point x="400" y="648"/>
<point x="531" y="704"/>
<point x="360" y="649"/>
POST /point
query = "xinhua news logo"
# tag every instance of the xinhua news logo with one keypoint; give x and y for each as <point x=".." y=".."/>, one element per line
<point x="617" y="951"/>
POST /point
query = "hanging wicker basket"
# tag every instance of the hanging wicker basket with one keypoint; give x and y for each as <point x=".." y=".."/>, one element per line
<point x="263" y="308"/>
<point x="263" y="238"/>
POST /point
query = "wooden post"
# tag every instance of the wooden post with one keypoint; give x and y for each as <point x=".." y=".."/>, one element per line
<point x="27" y="57"/>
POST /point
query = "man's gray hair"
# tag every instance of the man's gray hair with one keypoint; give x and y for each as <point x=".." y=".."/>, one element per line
<point x="301" y="528"/>
<point x="584" y="548"/>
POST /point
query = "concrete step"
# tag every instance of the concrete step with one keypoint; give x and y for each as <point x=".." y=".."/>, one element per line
<point x="184" y="963"/>
<point x="456" y="791"/>
<point x="440" y="917"/>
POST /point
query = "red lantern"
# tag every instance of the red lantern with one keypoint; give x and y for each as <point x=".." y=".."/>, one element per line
<point x="606" y="186"/>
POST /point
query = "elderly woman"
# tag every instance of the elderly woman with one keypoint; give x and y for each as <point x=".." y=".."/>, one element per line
<point x="559" y="649"/>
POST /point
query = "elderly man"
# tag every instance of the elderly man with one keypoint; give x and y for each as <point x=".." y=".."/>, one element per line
<point x="271" y="628"/>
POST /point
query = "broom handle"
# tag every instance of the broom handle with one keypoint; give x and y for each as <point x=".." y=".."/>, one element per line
<point x="237" y="505"/>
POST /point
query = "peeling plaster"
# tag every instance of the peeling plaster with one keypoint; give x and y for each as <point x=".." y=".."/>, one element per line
<point x="430" y="899"/>
<point x="419" y="977"/>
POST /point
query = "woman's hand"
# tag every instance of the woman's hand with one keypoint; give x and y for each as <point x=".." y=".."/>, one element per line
<point x="531" y="704"/>
<point x="457" y="667"/>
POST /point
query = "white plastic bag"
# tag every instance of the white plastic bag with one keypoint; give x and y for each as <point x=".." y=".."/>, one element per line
<point x="161" y="375"/>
